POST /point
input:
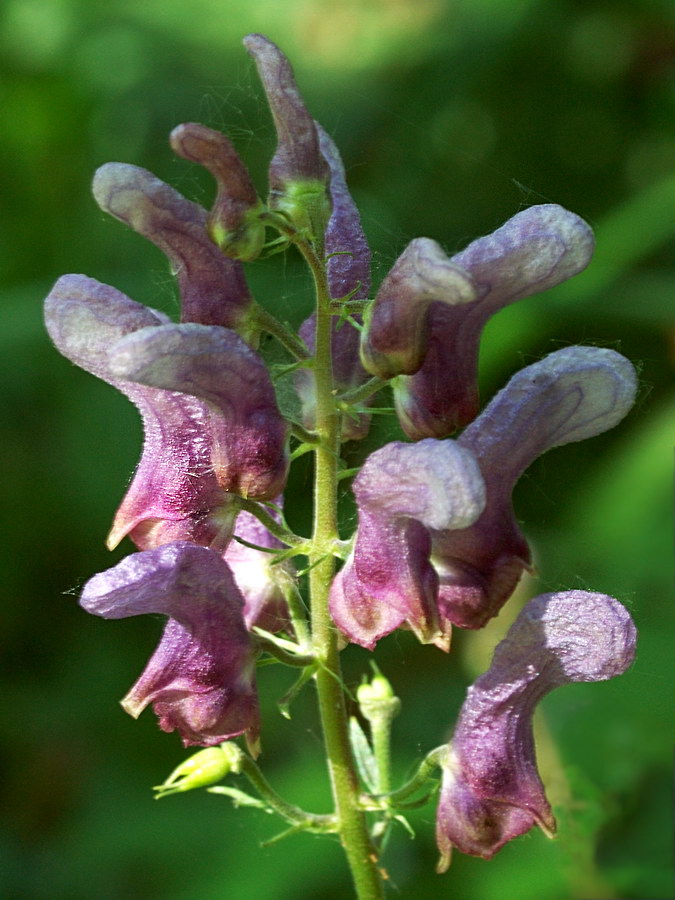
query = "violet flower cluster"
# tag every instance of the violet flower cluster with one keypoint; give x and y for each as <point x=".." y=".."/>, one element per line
<point x="437" y="542"/>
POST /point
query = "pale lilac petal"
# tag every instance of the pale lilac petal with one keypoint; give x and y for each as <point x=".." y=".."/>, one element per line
<point x="403" y="491"/>
<point x="212" y="287"/>
<point x="200" y="679"/>
<point x="491" y="789"/>
<point x="534" y="251"/>
<point x="570" y="395"/>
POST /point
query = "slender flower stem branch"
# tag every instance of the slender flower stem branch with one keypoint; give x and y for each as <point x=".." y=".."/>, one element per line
<point x="288" y="339"/>
<point x="270" y="523"/>
<point x="363" y="391"/>
<point x="302" y="434"/>
<point x="431" y="761"/>
<point x="352" y="823"/>
<point x="287" y="811"/>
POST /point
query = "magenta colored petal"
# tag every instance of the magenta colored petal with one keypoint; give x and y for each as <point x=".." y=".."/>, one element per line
<point x="238" y="421"/>
<point x="261" y="584"/>
<point x="212" y="287"/>
<point x="348" y="275"/>
<point x="403" y="491"/>
<point x="395" y="338"/>
<point x="570" y="395"/>
<point x="534" y="251"/>
<point x="200" y="678"/>
<point x="491" y="789"/>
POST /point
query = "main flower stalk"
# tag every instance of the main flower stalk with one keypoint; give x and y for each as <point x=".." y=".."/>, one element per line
<point x="351" y="819"/>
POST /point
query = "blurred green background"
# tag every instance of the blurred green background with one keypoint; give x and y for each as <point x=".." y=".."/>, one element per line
<point x="452" y="115"/>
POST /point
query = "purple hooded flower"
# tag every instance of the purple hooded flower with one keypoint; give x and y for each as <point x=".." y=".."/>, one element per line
<point x="209" y="412"/>
<point x="491" y="790"/>
<point x="234" y="221"/>
<point x="570" y="395"/>
<point x="398" y="323"/>
<point x="298" y="172"/>
<point x="212" y="287"/>
<point x="348" y="268"/>
<point x="263" y="586"/>
<point x="201" y="677"/>
<point x="535" y="250"/>
<point x="403" y="492"/>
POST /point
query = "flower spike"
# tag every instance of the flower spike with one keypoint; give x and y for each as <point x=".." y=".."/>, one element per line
<point x="491" y="790"/>
<point x="200" y="678"/>
<point x="212" y="287"/>
<point x="403" y="492"/>
<point x="234" y="221"/>
<point x="570" y="395"/>
<point x="535" y="250"/>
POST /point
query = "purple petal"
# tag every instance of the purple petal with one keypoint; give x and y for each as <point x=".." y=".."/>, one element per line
<point x="262" y="585"/>
<point x="491" y="789"/>
<point x="570" y="395"/>
<point x="534" y="251"/>
<point x="212" y="287"/>
<point x="403" y="491"/>
<point x="297" y="155"/>
<point x="174" y="490"/>
<point x="239" y="421"/>
<point x="348" y="275"/>
<point x="200" y="679"/>
<point x="395" y="339"/>
<point x="233" y="223"/>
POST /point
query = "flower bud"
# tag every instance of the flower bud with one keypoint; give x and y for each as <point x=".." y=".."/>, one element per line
<point x="234" y="221"/>
<point x="203" y="769"/>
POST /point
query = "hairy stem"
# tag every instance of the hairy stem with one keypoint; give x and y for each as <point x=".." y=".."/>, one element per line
<point x="352" y="826"/>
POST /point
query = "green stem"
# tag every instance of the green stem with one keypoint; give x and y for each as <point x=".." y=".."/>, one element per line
<point x="288" y="339"/>
<point x="287" y="811"/>
<point x="420" y="779"/>
<point x="270" y="523"/>
<point x="352" y="825"/>
<point x="363" y="392"/>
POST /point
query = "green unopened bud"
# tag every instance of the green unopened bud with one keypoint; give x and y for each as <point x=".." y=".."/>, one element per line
<point x="306" y="204"/>
<point x="201" y="770"/>
<point x="377" y="699"/>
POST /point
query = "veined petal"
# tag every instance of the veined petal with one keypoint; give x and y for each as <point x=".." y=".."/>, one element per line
<point x="298" y="172"/>
<point x="534" y="251"/>
<point x="262" y="585"/>
<point x="212" y="287"/>
<point x="239" y="422"/>
<point x="572" y="394"/>
<point x="491" y="790"/>
<point x="200" y="679"/>
<point x="394" y="341"/>
<point x="348" y="271"/>
<point x="233" y="223"/>
<point x="403" y="491"/>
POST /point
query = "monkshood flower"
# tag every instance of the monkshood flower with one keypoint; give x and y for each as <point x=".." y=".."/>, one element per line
<point x="570" y="395"/>
<point x="211" y="423"/>
<point x="212" y="286"/>
<point x="348" y="272"/>
<point x="491" y="790"/>
<point x="534" y="251"/>
<point x="201" y="678"/>
<point x="298" y="173"/>
<point x="234" y="221"/>
<point x="403" y="492"/>
<point x="262" y="585"/>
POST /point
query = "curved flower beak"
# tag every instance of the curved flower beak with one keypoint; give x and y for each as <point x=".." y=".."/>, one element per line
<point x="212" y="286"/>
<point x="491" y="790"/>
<point x="200" y="678"/>
<point x="534" y="251"/>
<point x="570" y="395"/>
<point x="206" y="436"/>
<point x="403" y="492"/>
